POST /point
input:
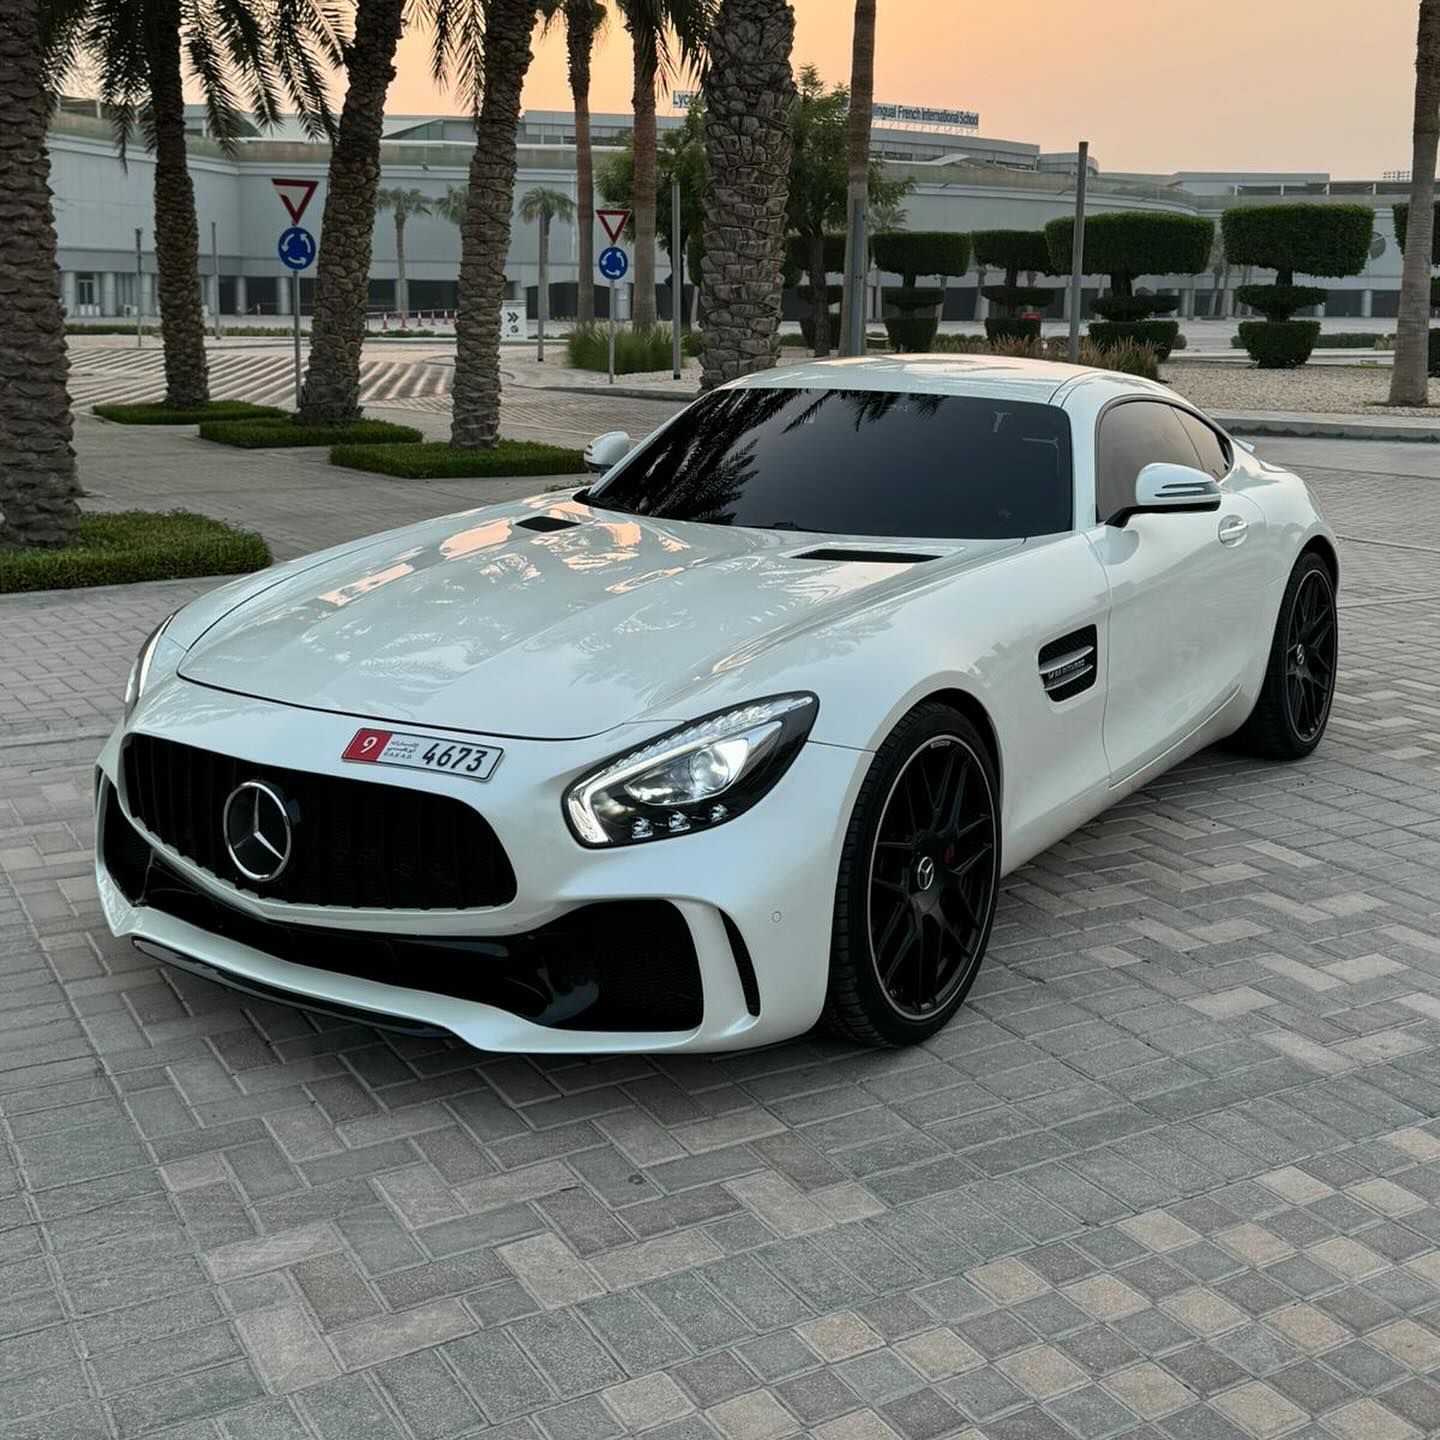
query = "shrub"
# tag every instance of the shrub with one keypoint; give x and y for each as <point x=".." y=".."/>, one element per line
<point x="1014" y="251"/>
<point x="1025" y="347"/>
<point x="1133" y="307"/>
<point x="117" y="549"/>
<point x="1018" y="297"/>
<point x="1280" y="302"/>
<point x="797" y="255"/>
<point x="1433" y="340"/>
<point x="587" y="347"/>
<point x="1340" y="340"/>
<point x="1127" y="244"/>
<point x="1299" y="239"/>
<point x="961" y="344"/>
<point x="1279" y="344"/>
<point x="286" y="434"/>
<point x="1401" y="215"/>
<point x="692" y="343"/>
<point x="1160" y="335"/>
<point x="911" y="298"/>
<point x="155" y="414"/>
<point x="436" y="460"/>
<point x="1010" y="327"/>
<point x="913" y="253"/>
<point x="912" y="333"/>
<point x="789" y="340"/>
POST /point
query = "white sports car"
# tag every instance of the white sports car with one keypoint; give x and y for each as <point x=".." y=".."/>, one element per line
<point x="740" y="738"/>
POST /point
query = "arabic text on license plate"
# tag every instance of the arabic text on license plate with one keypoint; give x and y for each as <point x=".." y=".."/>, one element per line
<point x="424" y="752"/>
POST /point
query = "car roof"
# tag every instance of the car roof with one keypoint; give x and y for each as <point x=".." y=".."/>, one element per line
<point x="1009" y="377"/>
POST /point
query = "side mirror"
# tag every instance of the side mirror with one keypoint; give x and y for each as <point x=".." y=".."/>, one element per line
<point x="1163" y="486"/>
<point x="606" y="450"/>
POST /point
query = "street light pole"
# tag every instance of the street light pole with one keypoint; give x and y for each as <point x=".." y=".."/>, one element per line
<point x="1077" y="252"/>
<point x="139" y="292"/>
<point x="215" y="274"/>
<point x="677" y="281"/>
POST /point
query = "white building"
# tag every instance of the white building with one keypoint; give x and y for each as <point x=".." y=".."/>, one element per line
<point x="962" y="181"/>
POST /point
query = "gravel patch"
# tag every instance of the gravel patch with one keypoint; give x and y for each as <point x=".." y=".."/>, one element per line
<point x="1339" y="389"/>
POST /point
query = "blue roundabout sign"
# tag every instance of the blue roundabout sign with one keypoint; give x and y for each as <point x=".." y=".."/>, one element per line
<point x="296" y="248"/>
<point x="613" y="262"/>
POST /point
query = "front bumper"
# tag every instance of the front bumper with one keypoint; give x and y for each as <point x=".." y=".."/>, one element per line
<point x="754" y="897"/>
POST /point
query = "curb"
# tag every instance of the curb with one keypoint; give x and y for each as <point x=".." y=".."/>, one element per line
<point x="625" y="392"/>
<point x="1297" y="427"/>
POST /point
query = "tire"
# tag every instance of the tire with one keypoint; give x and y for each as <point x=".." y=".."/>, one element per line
<point x="940" y="893"/>
<point x="1290" y="717"/>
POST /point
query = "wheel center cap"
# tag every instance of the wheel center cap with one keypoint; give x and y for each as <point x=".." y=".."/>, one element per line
<point x="924" y="873"/>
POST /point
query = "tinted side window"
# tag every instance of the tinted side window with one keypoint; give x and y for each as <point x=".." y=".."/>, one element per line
<point x="1214" y="453"/>
<point x="1133" y="435"/>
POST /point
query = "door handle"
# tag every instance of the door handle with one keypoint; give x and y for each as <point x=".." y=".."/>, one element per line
<point x="1233" y="530"/>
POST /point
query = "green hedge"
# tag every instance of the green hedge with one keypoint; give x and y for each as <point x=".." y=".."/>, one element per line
<point x="1010" y="327"/>
<point x="155" y="414"/>
<point x="1016" y="250"/>
<point x="135" y="545"/>
<point x="1127" y="243"/>
<point x="1338" y="340"/>
<point x="286" y="434"/>
<point x="1401" y="215"/>
<point x="913" y="253"/>
<point x="1133" y="307"/>
<point x="1280" y="302"/>
<point x="912" y="299"/>
<point x="587" y="347"/>
<point x="1299" y="239"/>
<point x="912" y="333"/>
<point x="797" y="255"/>
<point x="1279" y="344"/>
<point x="437" y="460"/>
<point x="692" y="343"/>
<point x="1160" y="335"/>
<point x="1019" y="297"/>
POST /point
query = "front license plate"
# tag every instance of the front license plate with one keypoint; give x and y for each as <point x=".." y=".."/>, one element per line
<point x="424" y="752"/>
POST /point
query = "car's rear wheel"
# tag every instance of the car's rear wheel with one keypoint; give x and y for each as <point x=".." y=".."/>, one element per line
<point x="1290" y="716"/>
<point x="919" y="874"/>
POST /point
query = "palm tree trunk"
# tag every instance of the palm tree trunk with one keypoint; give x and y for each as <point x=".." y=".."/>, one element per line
<point x="819" y="294"/>
<point x="342" y="276"/>
<point x="1409" y="380"/>
<point x="177" y="228"/>
<point x="643" y="183"/>
<point x="862" y="98"/>
<point x="542" y="296"/>
<point x="37" y="465"/>
<point x="580" y="25"/>
<point x="485" y="234"/>
<point x="749" y="95"/>
<point x="402" y="287"/>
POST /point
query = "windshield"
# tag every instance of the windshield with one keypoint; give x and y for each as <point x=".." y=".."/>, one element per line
<point x="855" y="462"/>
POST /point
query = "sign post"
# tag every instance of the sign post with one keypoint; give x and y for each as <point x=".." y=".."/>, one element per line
<point x="677" y="278"/>
<point x="139" y="291"/>
<point x="1077" y="253"/>
<point x="612" y="262"/>
<point x="297" y="250"/>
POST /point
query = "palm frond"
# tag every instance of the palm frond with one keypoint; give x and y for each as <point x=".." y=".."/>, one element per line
<point x="457" y="46"/>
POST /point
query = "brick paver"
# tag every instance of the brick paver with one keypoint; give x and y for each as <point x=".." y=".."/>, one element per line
<point x="1172" y="1173"/>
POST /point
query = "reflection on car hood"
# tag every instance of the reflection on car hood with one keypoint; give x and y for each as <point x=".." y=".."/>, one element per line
<point x="475" y="622"/>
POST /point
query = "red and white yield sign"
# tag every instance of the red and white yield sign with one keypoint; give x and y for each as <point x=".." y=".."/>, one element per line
<point x="614" y="222"/>
<point x="295" y="195"/>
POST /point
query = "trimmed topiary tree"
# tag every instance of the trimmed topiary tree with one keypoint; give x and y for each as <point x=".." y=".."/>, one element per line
<point x="911" y="254"/>
<point x="1125" y="245"/>
<point x="1401" y="213"/>
<point x="1291" y="240"/>
<point x="1013" y="251"/>
<point x="815" y="261"/>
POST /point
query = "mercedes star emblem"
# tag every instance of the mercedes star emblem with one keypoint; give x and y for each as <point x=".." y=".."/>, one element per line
<point x="258" y="833"/>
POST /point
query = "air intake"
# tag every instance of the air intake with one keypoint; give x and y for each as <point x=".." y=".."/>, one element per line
<point x="545" y="523"/>
<point x="1069" y="665"/>
<point x="865" y="557"/>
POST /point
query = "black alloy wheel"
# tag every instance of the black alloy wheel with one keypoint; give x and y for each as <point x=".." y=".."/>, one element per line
<point x="919" y="879"/>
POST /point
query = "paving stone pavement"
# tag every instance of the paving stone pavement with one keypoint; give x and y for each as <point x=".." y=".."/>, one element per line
<point x="1171" y="1175"/>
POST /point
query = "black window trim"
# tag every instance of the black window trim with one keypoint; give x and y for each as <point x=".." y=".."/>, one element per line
<point x="1227" y="444"/>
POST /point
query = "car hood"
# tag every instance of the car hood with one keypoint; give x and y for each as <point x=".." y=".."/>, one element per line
<point x="480" y="622"/>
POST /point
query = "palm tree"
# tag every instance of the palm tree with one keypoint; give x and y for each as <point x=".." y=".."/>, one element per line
<point x="1409" y="384"/>
<point x="749" y="96"/>
<point x="452" y="205"/>
<point x="37" y="465"/>
<point x="862" y="98"/>
<point x="140" y="48"/>
<point x="544" y="205"/>
<point x="650" y="23"/>
<point x="405" y="203"/>
<point x="583" y="19"/>
<point x="485" y="232"/>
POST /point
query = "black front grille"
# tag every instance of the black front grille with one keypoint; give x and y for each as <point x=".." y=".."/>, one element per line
<point x="616" y="965"/>
<point x="357" y="843"/>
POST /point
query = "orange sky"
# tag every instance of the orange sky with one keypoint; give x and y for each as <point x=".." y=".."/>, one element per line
<point x="1152" y="84"/>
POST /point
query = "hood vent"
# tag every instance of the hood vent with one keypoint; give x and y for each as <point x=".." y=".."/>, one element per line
<point x="865" y="557"/>
<point x="545" y="523"/>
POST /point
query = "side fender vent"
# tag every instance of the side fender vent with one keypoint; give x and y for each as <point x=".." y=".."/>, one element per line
<point x="1070" y="664"/>
<point x="545" y="523"/>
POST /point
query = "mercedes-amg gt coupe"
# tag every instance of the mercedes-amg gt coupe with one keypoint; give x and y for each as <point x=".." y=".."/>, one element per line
<point x="738" y="739"/>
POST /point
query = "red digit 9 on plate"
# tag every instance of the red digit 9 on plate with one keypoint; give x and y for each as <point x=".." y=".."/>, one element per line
<point x="367" y="745"/>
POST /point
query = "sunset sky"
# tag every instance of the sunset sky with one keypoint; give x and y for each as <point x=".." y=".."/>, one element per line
<point x="1152" y="84"/>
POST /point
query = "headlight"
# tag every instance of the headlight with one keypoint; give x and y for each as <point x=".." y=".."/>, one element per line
<point x="140" y="671"/>
<point x="693" y="778"/>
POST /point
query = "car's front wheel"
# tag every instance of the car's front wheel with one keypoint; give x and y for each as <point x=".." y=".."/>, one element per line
<point x="1294" y="705"/>
<point x="919" y="874"/>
